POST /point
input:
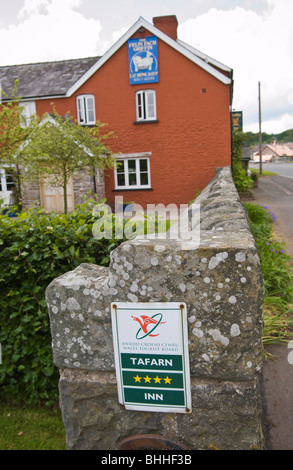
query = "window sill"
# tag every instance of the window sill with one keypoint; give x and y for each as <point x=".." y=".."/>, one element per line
<point x="147" y="121"/>
<point x="132" y="189"/>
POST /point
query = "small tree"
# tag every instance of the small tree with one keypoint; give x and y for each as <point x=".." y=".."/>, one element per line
<point x="14" y="131"/>
<point x="58" y="147"/>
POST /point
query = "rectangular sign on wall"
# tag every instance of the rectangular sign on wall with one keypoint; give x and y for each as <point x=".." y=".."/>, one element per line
<point x="151" y="356"/>
<point x="237" y="120"/>
<point x="143" y="60"/>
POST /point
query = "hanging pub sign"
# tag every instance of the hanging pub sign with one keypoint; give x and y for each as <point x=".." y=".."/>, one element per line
<point x="151" y="356"/>
<point x="237" y="120"/>
<point x="143" y="60"/>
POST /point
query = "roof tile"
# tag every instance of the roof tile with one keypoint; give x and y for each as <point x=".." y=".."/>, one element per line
<point x="45" y="78"/>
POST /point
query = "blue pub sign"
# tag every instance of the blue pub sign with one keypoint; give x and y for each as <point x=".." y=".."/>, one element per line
<point x="143" y="60"/>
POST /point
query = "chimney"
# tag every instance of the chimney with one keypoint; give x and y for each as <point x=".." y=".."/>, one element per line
<point x="167" y="24"/>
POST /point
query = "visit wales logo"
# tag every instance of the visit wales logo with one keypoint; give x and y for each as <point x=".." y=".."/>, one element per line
<point x="148" y="325"/>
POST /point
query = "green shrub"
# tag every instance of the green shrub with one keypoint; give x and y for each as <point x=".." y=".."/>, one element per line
<point x="240" y="177"/>
<point x="254" y="176"/>
<point x="36" y="248"/>
<point x="259" y="214"/>
<point x="241" y="180"/>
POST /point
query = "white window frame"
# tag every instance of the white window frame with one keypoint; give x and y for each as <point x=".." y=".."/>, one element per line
<point x="5" y="191"/>
<point x="29" y="110"/>
<point x="145" y="110"/>
<point x="84" y="107"/>
<point x="130" y="157"/>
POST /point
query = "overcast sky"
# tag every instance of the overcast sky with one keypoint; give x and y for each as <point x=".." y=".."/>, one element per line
<point x="254" y="37"/>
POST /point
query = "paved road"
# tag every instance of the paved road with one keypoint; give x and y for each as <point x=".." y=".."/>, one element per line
<point x="277" y="193"/>
<point x="282" y="169"/>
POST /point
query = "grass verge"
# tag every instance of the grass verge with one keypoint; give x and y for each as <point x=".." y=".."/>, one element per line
<point x="31" y="428"/>
<point x="263" y="173"/>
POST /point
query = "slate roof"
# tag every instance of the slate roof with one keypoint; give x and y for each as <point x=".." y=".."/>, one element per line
<point x="44" y="79"/>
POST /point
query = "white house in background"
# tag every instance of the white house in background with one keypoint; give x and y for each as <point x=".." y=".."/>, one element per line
<point x="274" y="152"/>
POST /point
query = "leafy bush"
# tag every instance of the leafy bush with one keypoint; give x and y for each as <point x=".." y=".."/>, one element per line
<point x="259" y="215"/>
<point x="35" y="248"/>
<point x="254" y="176"/>
<point x="241" y="180"/>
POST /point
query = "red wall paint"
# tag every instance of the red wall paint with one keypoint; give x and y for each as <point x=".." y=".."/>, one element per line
<point x="191" y="139"/>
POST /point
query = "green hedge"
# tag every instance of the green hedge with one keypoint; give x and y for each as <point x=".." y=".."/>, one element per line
<point x="241" y="180"/>
<point x="35" y="248"/>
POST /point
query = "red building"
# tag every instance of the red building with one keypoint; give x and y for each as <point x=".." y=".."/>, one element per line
<point x="168" y="104"/>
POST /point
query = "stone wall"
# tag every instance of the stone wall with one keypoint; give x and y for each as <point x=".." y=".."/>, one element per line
<point x="31" y="195"/>
<point x="85" y="184"/>
<point x="221" y="283"/>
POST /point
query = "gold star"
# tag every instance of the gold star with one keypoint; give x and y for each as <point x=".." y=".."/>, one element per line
<point x="147" y="379"/>
<point x="167" y="380"/>
<point x="157" y="380"/>
<point x="137" y="378"/>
